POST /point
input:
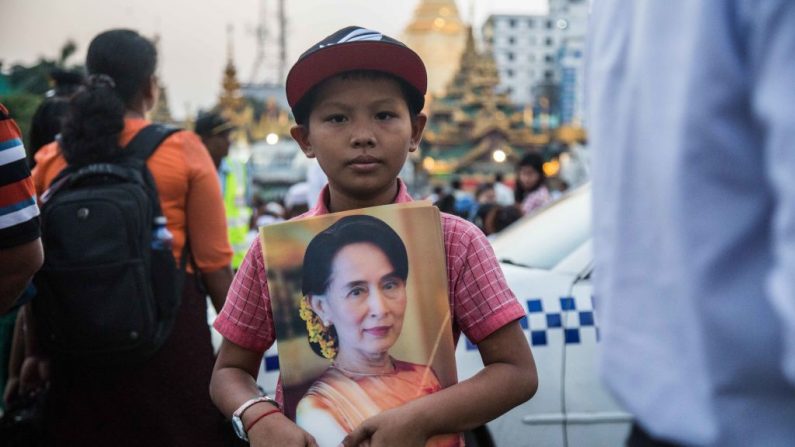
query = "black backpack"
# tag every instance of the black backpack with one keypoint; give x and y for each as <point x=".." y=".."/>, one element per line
<point x="106" y="295"/>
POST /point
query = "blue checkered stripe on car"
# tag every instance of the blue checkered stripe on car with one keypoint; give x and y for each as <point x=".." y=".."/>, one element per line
<point x="573" y="318"/>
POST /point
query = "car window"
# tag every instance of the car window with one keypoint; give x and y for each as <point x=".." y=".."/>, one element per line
<point x="543" y="239"/>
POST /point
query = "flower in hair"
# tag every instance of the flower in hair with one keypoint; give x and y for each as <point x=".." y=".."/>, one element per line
<point x="318" y="332"/>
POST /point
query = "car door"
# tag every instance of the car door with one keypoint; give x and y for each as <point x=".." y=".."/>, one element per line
<point x="593" y="418"/>
<point x="538" y="422"/>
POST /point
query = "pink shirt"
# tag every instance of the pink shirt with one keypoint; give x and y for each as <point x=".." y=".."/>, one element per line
<point x="480" y="299"/>
<point x="536" y="199"/>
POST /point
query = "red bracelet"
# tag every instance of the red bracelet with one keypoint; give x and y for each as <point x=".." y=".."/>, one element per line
<point x="267" y="413"/>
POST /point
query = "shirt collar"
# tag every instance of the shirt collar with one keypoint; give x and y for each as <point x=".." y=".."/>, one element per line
<point x="322" y="201"/>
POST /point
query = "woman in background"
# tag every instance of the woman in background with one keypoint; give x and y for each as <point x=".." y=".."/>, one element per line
<point x="164" y="400"/>
<point x="531" y="191"/>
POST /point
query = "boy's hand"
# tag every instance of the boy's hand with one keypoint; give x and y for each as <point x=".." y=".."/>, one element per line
<point x="34" y="374"/>
<point x="395" y="427"/>
<point x="277" y="430"/>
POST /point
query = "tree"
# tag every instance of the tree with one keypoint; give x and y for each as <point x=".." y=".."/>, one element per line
<point x="29" y="83"/>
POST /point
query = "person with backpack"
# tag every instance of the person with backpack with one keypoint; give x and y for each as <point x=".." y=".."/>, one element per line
<point x="127" y="207"/>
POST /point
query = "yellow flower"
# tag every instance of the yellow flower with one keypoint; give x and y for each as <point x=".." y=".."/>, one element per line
<point x="318" y="332"/>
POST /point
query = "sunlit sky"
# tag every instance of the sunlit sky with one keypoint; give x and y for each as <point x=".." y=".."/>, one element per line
<point x="193" y="33"/>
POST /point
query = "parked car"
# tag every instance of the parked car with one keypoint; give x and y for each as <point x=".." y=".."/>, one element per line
<point x="547" y="260"/>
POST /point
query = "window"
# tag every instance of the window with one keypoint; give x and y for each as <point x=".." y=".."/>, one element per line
<point x="511" y="40"/>
<point x="512" y="23"/>
<point x="531" y="23"/>
<point x="548" y="58"/>
<point x="549" y="24"/>
<point x="509" y="73"/>
<point x="548" y="74"/>
<point x="548" y="41"/>
<point x="509" y="55"/>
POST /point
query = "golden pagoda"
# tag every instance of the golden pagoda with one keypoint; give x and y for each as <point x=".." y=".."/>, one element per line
<point x="233" y="106"/>
<point x="437" y="34"/>
<point x="474" y="128"/>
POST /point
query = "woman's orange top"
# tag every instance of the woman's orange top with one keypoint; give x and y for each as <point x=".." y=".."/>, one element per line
<point x="187" y="183"/>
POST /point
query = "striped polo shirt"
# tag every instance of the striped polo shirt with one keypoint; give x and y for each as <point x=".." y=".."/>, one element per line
<point x="19" y="213"/>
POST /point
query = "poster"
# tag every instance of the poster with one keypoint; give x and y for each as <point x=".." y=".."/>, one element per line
<point x="362" y="314"/>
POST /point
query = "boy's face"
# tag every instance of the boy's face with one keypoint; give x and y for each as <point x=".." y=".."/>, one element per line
<point x="361" y="132"/>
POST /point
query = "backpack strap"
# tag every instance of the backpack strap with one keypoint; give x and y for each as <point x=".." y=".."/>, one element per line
<point x="148" y="139"/>
<point x="141" y="147"/>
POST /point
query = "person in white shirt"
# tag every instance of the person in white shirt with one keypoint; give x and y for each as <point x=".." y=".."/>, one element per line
<point x="692" y="127"/>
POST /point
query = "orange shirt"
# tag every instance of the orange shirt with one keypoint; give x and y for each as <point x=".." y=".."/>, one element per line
<point x="187" y="183"/>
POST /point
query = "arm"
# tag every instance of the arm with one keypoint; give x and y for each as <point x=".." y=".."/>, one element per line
<point x="507" y="359"/>
<point x="17" y="266"/>
<point x="206" y="221"/>
<point x="15" y="358"/>
<point x="233" y="383"/>
<point x="217" y="284"/>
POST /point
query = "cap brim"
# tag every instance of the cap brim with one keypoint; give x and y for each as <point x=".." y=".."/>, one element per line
<point x="381" y="56"/>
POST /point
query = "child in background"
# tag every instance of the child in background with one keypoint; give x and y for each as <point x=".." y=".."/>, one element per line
<point x="357" y="98"/>
<point x="531" y="191"/>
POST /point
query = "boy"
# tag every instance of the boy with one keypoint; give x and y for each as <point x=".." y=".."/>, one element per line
<point x="357" y="98"/>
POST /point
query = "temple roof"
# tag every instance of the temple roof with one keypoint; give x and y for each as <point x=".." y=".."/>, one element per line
<point x="474" y="117"/>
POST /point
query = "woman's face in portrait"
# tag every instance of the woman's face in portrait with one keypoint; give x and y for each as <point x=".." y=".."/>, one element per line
<point x="365" y="300"/>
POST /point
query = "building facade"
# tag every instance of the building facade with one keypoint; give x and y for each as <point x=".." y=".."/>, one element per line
<point x="540" y="57"/>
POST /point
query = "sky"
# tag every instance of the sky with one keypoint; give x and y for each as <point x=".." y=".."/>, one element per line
<point x="194" y="33"/>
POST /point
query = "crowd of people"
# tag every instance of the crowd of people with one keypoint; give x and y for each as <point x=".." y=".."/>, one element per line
<point x="494" y="205"/>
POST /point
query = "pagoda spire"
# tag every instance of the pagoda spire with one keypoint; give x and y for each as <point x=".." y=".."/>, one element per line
<point x="231" y="98"/>
<point x="437" y="32"/>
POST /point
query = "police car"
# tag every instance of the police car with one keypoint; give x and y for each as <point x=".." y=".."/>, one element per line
<point x="547" y="260"/>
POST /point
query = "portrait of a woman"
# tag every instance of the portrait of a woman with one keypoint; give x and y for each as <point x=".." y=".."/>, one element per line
<point x="354" y="303"/>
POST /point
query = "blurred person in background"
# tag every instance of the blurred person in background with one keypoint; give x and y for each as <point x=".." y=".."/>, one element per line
<point x="296" y="201"/>
<point x="21" y="252"/>
<point x="47" y="119"/>
<point x="531" y="192"/>
<point x="498" y="218"/>
<point x="464" y="201"/>
<point x="216" y="134"/>
<point x="692" y="124"/>
<point x="485" y="200"/>
<point x="504" y="193"/>
<point x="45" y="125"/>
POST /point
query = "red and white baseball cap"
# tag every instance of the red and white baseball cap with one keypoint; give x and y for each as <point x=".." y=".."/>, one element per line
<point x="354" y="48"/>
